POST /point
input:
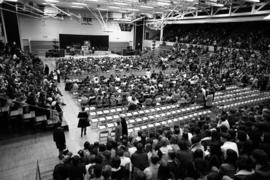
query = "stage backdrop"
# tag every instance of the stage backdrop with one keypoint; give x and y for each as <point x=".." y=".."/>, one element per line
<point x="99" y="42"/>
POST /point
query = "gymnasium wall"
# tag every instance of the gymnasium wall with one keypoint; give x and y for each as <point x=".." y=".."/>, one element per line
<point x="44" y="31"/>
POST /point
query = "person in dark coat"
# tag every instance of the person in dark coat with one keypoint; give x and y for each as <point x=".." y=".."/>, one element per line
<point x="124" y="126"/>
<point x="262" y="165"/>
<point x="59" y="110"/>
<point x="140" y="159"/>
<point x="61" y="170"/>
<point x="76" y="170"/>
<point x="118" y="132"/>
<point x="46" y="70"/>
<point x="83" y="121"/>
<point x="59" y="139"/>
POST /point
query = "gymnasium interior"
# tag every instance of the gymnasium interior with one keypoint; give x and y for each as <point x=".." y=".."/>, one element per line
<point x="134" y="89"/>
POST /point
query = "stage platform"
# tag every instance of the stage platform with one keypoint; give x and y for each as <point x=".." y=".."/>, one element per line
<point x="96" y="54"/>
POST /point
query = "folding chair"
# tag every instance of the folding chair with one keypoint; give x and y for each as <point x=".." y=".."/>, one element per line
<point x="112" y="134"/>
<point x="103" y="136"/>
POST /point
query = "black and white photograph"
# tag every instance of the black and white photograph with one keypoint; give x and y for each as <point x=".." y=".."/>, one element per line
<point x="134" y="89"/>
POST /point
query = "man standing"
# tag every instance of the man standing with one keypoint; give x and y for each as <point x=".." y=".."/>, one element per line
<point x="46" y="70"/>
<point x="118" y="132"/>
<point x="59" y="139"/>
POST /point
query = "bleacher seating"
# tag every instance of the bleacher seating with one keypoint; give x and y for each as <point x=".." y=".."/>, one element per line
<point x="21" y="119"/>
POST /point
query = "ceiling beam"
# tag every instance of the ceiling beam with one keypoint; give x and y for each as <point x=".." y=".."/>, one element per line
<point x="95" y="15"/>
<point x="17" y="7"/>
<point x="52" y="5"/>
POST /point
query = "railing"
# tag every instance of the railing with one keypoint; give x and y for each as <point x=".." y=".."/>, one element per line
<point x="38" y="176"/>
<point x="27" y="112"/>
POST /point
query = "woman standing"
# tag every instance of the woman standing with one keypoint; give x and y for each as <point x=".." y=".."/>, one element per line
<point x="83" y="121"/>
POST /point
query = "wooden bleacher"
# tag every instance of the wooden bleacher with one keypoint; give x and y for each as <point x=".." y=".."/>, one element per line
<point x="26" y="117"/>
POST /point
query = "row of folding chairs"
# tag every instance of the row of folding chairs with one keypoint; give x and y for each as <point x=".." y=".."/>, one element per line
<point x="153" y="113"/>
<point x="145" y="111"/>
<point x="231" y="89"/>
<point x="105" y="133"/>
<point x="240" y="93"/>
<point x="172" y="121"/>
<point x="183" y="119"/>
<point x="95" y="112"/>
<point x="109" y="118"/>
<point x="244" y="96"/>
<point x="152" y="117"/>
<point x="246" y="102"/>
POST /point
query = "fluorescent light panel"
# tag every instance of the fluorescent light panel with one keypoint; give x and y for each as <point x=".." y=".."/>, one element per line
<point x="147" y="7"/>
<point x="267" y="17"/>
<point x="163" y="3"/>
<point x="52" y="1"/>
<point x="79" y="4"/>
<point x="256" y="1"/>
<point x="79" y="7"/>
<point x="130" y="9"/>
<point x="122" y="11"/>
<point x="102" y="9"/>
<point x="12" y="0"/>
<point x="218" y="5"/>
<point x="113" y="7"/>
<point x="120" y="3"/>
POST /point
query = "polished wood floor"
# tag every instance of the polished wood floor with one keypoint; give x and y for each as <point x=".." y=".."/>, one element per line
<point x="19" y="155"/>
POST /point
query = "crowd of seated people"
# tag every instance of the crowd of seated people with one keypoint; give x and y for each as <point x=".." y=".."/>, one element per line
<point x="25" y="80"/>
<point x="253" y="35"/>
<point x="234" y="144"/>
<point x="189" y="77"/>
<point x="69" y="66"/>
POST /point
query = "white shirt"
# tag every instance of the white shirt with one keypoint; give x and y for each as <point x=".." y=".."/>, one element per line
<point x="148" y="74"/>
<point x="223" y="123"/>
<point x="132" y="150"/>
<point x="124" y="161"/>
<point x="87" y="175"/>
<point x="229" y="145"/>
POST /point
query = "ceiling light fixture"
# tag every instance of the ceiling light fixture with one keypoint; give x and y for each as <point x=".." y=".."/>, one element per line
<point x="122" y="11"/>
<point x="120" y="3"/>
<point x="255" y="1"/>
<point x="113" y="7"/>
<point x="52" y="1"/>
<point x="11" y="0"/>
<point x="79" y="4"/>
<point x="147" y="7"/>
<point x="130" y="9"/>
<point x="163" y="3"/>
<point x="267" y="17"/>
<point x="79" y="7"/>
<point x="218" y="5"/>
<point x="102" y="9"/>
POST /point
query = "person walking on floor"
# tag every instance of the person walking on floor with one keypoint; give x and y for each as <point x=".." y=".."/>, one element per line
<point x="59" y="139"/>
<point x="83" y="121"/>
<point x="118" y="132"/>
